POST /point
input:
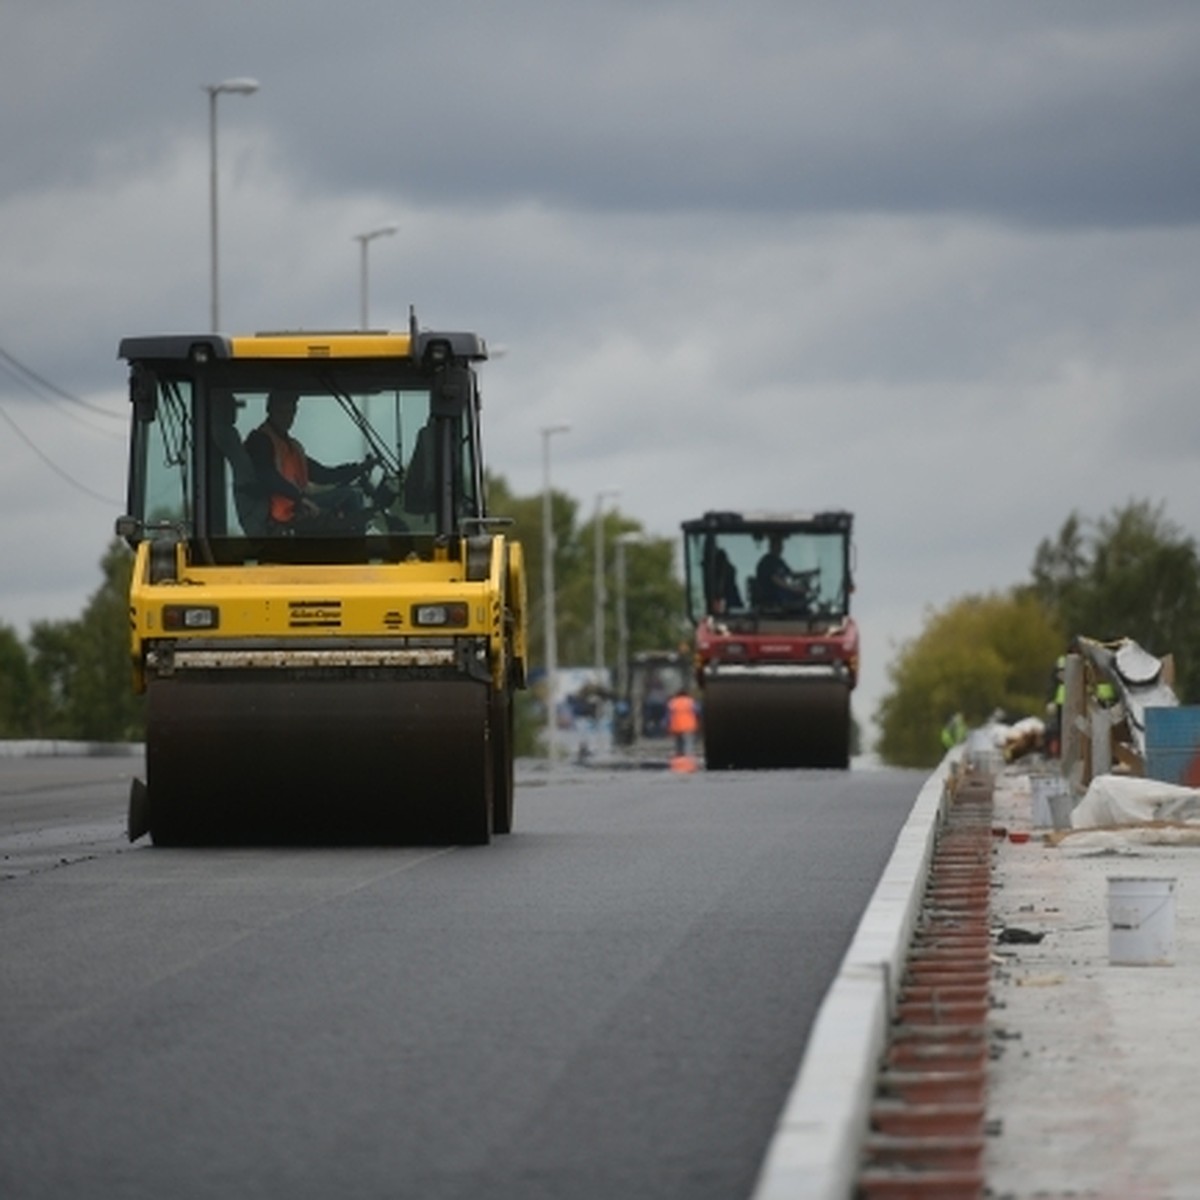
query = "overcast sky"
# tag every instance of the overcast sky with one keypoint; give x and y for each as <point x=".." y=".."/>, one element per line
<point x="936" y="263"/>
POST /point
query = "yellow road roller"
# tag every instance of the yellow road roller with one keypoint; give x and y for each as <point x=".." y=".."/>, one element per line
<point x="327" y="624"/>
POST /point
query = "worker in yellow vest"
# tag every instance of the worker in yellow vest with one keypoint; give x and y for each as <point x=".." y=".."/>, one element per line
<point x="954" y="731"/>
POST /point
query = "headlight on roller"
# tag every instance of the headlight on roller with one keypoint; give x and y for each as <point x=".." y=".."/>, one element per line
<point x="190" y="616"/>
<point x="451" y="615"/>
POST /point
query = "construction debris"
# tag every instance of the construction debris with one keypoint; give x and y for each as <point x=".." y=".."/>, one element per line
<point x="1109" y="686"/>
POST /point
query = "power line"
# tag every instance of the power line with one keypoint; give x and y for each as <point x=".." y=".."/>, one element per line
<point x="81" y="420"/>
<point x="31" y="379"/>
<point x="53" y="465"/>
<point x="40" y="386"/>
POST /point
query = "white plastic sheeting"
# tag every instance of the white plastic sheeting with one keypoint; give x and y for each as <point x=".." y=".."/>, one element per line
<point x="1131" y="800"/>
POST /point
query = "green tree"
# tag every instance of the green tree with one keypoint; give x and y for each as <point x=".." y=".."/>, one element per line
<point x="16" y="686"/>
<point x="81" y="674"/>
<point x="103" y="704"/>
<point x="526" y="514"/>
<point x="654" y="601"/>
<point x="978" y="654"/>
<point x="53" y="647"/>
<point x="654" y="596"/>
<point x="1134" y="574"/>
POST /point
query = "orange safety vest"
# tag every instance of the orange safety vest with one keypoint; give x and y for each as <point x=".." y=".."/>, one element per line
<point x="292" y="463"/>
<point x="681" y="714"/>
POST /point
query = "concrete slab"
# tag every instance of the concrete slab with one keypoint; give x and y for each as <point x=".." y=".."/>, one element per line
<point x="1094" y="1089"/>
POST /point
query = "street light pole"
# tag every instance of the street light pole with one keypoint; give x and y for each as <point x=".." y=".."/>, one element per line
<point x="549" y="618"/>
<point x="236" y="87"/>
<point x="598" y="589"/>
<point x="625" y="539"/>
<point x="363" y="239"/>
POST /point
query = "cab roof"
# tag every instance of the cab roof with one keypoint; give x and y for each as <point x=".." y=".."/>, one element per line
<point x="757" y="521"/>
<point x="303" y="344"/>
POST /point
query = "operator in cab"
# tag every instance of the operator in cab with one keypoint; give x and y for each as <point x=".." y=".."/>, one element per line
<point x="776" y="585"/>
<point x="288" y="476"/>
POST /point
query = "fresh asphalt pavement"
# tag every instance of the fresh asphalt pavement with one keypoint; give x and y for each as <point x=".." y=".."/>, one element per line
<point x="612" y="1001"/>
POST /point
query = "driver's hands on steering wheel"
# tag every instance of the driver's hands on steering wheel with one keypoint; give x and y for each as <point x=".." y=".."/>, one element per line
<point x="805" y="582"/>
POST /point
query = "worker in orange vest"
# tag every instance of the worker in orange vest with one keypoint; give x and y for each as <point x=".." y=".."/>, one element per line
<point x="681" y="720"/>
<point x="287" y="473"/>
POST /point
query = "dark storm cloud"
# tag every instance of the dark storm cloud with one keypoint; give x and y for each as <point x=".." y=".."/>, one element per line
<point x="1084" y="113"/>
<point x="1085" y="117"/>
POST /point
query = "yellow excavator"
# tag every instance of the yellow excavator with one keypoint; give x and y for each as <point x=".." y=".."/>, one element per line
<point x="327" y="624"/>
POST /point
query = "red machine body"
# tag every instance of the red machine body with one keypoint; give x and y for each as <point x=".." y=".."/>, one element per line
<point x="776" y="649"/>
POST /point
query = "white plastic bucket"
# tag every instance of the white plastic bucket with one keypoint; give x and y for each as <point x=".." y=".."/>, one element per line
<point x="1052" y="801"/>
<point x="1141" y="921"/>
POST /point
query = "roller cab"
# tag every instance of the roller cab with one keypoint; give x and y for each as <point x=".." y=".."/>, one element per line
<point x="776" y="649"/>
<point x="326" y="623"/>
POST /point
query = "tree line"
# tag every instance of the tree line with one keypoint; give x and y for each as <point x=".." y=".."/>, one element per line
<point x="73" y="679"/>
<point x="1132" y="573"/>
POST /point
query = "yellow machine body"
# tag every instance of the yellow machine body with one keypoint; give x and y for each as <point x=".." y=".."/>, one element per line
<point x="349" y="678"/>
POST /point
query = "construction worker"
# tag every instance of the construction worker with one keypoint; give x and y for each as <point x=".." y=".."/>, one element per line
<point x="682" y="722"/>
<point x="287" y="475"/>
<point x="954" y="731"/>
<point x="776" y="584"/>
<point x="1054" y="710"/>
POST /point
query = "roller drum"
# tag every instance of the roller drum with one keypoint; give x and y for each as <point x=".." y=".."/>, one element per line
<point x="501" y="736"/>
<point x="776" y="722"/>
<point x="391" y="760"/>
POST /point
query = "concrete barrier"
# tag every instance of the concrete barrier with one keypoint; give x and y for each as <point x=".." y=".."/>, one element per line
<point x="814" y="1152"/>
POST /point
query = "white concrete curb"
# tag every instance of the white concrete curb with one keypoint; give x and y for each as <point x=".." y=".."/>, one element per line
<point x="813" y="1154"/>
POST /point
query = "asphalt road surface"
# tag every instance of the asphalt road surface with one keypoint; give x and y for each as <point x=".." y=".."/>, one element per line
<point x="610" y="1002"/>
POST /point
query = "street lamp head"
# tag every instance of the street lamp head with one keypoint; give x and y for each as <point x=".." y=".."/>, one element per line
<point x="547" y="430"/>
<point x="371" y="234"/>
<point x="240" y="86"/>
